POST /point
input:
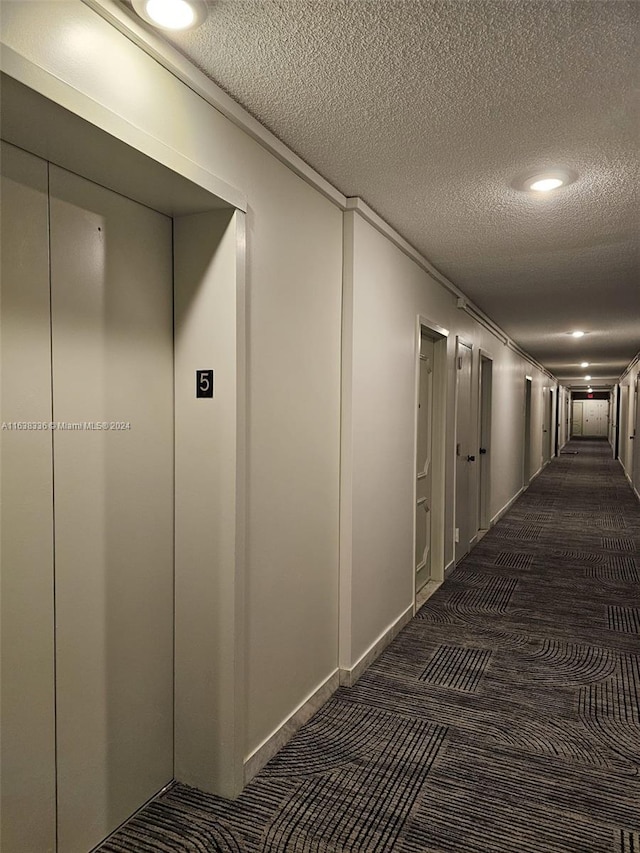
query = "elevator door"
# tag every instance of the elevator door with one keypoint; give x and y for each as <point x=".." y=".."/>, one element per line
<point x="112" y="380"/>
<point x="424" y="460"/>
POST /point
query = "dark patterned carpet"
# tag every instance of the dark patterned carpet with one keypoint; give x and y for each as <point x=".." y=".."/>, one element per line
<point x="505" y="718"/>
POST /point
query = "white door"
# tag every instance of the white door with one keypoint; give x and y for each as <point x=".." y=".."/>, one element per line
<point x="576" y="418"/>
<point x="546" y="424"/>
<point x="465" y="450"/>
<point x="626" y="443"/>
<point x="635" y="432"/>
<point x="424" y="460"/>
<point x="484" y="460"/>
<point x="526" y="444"/>
<point x="595" y="418"/>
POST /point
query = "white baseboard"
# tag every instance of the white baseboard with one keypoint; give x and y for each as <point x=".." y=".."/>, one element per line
<point x="425" y="593"/>
<point x="510" y="503"/>
<point x="274" y="743"/>
<point x="630" y="481"/>
<point x="449" y="568"/>
<point x="348" y="677"/>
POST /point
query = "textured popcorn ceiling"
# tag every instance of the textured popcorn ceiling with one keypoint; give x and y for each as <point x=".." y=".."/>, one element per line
<point x="430" y="110"/>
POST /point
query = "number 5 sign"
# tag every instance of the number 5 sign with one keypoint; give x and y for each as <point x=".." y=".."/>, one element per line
<point x="204" y="383"/>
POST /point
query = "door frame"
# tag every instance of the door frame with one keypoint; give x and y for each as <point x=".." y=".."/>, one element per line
<point x="440" y="336"/>
<point x="485" y="410"/>
<point x="635" y="425"/>
<point x="526" y="440"/>
<point x="616" y="424"/>
<point x="460" y="341"/>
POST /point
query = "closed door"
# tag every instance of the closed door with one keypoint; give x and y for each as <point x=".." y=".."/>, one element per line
<point x="635" y="432"/>
<point x="547" y="403"/>
<point x="465" y="450"/>
<point x="576" y="419"/>
<point x="595" y="418"/>
<point x="424" y="460"/>
<point x="91" y="569"/>
<point x="526" y="441"/>
<point x="484" y="461"/>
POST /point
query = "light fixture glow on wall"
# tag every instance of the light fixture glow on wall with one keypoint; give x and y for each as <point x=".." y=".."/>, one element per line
<point x="587" y="378"/>
<point x="584" y="364"/>
<point x="577" y="334"/>
<point x="172" y="14"/>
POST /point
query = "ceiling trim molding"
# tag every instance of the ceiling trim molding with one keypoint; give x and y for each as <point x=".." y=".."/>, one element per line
<point x="171" y="60"/>
<point x="629" y="367"/>
<point x="367" y="213"/>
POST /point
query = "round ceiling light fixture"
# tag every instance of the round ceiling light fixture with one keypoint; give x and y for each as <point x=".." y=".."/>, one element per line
<point x="172" y="14"/>
<point x="577" y="334"/>
<point x="547" y="181"/>
<point x="587" y="378"/>
<point x="584" y="364"/>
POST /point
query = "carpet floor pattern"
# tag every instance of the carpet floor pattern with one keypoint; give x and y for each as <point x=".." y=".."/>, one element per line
<point x="504" y="718"/>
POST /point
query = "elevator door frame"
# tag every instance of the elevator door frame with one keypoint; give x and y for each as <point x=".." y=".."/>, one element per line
<point x="80" y="138"/>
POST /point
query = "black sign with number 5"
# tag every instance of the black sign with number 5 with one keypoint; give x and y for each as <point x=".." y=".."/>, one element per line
<point x="204" y="383"/>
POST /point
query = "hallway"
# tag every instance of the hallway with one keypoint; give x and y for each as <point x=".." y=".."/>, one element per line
<point x="504" y="719"/>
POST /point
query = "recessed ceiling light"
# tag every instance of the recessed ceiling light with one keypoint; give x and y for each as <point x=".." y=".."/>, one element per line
<point x="587" y="378"/>
<point x="543" y="185"/>
<point x="584" y="364"/>
<point x="544" y="182"/>
<point x="172" y="14"/>
<point x="577" y="334"/>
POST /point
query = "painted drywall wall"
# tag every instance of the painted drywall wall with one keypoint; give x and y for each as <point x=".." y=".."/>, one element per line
<point x="384" y="292"/>
<point x="209" y="491"/>
<point x="294" y="263"/>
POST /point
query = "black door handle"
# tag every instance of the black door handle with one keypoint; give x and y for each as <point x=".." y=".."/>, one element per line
<point x="471" y="458"/>
<point x="483" y="450"/>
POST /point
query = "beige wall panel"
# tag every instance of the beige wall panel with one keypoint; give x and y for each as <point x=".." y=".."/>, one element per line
<point x="112" y="312"/>
<point x="209" y="730"/>
<point x="27" y="775"/>
<point x="386" y="293"/>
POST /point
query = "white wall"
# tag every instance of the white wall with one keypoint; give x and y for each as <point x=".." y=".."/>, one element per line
<point x="294" y="266"/>
<point x="385" y="291"/>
